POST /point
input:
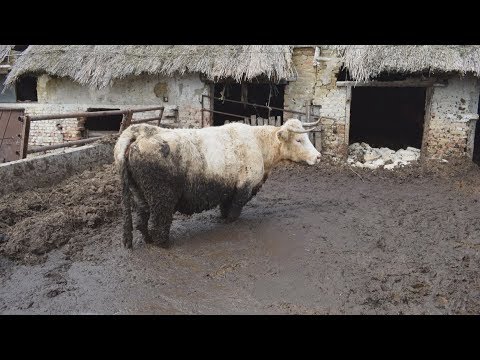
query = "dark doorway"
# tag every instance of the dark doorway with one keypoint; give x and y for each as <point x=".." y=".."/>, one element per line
<point x="387" y="117"/>
<point x="259" y="94"/>
<point x="26" y="89"/>
<point x="476" y="141"/>
<point x="20" y="47"/>
<point x="102" y="125"/>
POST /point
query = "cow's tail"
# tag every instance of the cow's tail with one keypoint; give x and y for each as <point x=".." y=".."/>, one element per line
<point x="121" y="151"/>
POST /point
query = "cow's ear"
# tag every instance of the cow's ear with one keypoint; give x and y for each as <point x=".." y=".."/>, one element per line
<point x="282" y="134"/>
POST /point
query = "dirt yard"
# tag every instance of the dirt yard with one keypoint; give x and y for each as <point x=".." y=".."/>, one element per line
<point x="315" y="240"/>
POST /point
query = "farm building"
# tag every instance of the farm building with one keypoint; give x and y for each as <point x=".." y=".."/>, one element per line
<point x="387" y="96"/>
<point x="84" y="78"/>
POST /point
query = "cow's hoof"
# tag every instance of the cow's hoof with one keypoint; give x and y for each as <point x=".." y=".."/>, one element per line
<point x="230" y="219"/>
<point x="147" y="239"/>
<point x="166" y="244"/>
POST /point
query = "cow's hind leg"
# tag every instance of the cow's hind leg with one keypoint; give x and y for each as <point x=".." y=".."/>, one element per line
<point x="143" y="214"/>
<point x="161" y="222"/>
<point x="225" y="208"/>
<point x="162" y="209"/>
<point x="231" y="209"/>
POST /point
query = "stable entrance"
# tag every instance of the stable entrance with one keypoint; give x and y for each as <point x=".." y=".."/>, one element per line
<point x="390" y="117"/>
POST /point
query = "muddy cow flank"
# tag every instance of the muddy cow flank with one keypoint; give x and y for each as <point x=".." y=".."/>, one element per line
<point x="192" y="170"/>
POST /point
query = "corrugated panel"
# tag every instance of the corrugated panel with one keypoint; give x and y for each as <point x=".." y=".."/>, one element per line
<point x="10" y="134"/>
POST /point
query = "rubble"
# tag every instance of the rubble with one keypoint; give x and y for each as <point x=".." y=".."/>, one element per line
<point x="364" y="156"/>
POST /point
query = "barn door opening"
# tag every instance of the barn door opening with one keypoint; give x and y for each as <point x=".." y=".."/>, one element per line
<point x="266" y="94"/>
<point x="387" y="117"/>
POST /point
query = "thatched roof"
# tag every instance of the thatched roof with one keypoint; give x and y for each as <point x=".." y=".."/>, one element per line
<point x="99" y="65"/>
<point x="367" y="61"/>
<point x="4" y="51"/>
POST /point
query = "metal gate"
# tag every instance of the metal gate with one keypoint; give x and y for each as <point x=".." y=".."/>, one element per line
<point x="11" y="134"/>
<point x="311" y="113"/>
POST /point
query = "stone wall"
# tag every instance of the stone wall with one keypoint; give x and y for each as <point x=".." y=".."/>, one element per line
<point x="450" y="129"/>
<point x="49" y="169"/>
<point x="316" y="85"/>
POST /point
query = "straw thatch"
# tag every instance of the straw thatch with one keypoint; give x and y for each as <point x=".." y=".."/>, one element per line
<point x="364" y="62"/>
<point x="99" y="65"/>
<point x="4" y="51"/>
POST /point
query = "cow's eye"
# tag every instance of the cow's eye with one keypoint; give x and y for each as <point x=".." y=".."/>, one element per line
<point x="299" y="140"/>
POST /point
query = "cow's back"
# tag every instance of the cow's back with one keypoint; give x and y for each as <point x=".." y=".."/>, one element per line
<point x="199" y="167"/>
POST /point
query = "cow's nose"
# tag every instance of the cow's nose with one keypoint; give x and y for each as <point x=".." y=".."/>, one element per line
<point x="319" y="156"/>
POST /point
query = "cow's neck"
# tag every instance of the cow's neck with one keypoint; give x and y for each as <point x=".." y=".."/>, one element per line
<point x="267" y="138"/>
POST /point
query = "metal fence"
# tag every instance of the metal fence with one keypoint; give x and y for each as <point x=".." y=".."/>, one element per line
<point x="306" y="116"/>
<point x="127" y="120"/>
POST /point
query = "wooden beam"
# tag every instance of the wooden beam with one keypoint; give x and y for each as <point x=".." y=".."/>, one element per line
<point x="402" y="83"/>
<point x="67" y="144"/>
<point x="92" y="113"/>
<point x="348" y="104"/>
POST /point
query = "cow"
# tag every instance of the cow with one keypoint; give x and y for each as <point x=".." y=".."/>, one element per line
<point x="193" y="170"/>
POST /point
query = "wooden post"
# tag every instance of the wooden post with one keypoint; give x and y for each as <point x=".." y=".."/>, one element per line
<point x="160" y="115"/>
<point x="226" y="122"/>
<point x="308" y="108"/>
<point x="260" y="121"/>
<point x="311" y="135"/>
<point x="126" y="120"/>
<point x="278" y="122"/>
<point x="246" y="120"/>
<point x="25" y="136"/>
<point x="81" y="127"/>
<point x="347" y="115"/>
<point x="318" y="141"/>
<point x="200" y="110"/>
<point x="176" y="115"/>
<point x="253" y="120"/>
<point x="426" y="125"/>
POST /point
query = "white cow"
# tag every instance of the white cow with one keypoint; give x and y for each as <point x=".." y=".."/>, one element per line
<point x="192" y="170"/>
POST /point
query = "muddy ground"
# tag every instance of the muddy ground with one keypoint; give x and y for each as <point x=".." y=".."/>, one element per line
<point x="315" y="240"/>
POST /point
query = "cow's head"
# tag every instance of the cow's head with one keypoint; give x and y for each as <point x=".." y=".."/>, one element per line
<point x="295" y="144"/>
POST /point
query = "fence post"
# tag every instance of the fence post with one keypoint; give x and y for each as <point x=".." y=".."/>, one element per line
<point x="25" y="136"/>
<point x="126" y="120"/>
<point x="202" y="112"/>
<point x="160" y="115"/>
